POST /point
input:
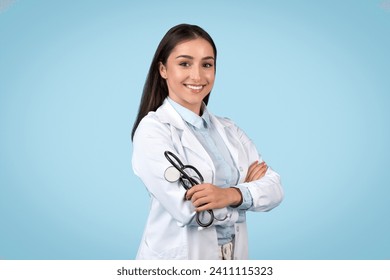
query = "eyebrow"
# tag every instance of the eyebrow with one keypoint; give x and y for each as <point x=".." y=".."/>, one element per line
<point x="190" y="57"/>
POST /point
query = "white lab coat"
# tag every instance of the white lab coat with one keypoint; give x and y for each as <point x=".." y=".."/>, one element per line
<point x="171" y="231"/>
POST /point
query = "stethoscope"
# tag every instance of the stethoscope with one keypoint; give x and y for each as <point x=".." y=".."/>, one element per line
<point x="176" y="172"/>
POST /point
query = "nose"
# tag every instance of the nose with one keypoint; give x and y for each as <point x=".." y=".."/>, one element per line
<point x="195" y="73"/>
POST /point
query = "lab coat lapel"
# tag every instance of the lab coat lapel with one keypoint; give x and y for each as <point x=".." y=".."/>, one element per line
<point x="188" y="140"/>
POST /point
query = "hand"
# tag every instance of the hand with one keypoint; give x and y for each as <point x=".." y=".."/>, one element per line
<point x="208" y="196"/>
<point x="256" y="171"/>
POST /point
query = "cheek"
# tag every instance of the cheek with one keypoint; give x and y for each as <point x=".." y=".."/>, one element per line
<point x="177" y="76"/>
<point x="210" y="77"/>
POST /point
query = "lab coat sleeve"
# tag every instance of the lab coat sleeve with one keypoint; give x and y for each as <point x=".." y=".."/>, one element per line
<point x="267" y="192"/>
<point x="150" y="141"/>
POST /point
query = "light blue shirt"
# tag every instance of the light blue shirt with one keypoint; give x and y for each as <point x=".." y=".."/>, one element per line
<point x="227" y="174"/>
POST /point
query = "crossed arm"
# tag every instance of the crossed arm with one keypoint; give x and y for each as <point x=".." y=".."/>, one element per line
<point x="208" y="196"/>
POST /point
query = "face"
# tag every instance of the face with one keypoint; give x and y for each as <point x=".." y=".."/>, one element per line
<point x="190" y="73"/>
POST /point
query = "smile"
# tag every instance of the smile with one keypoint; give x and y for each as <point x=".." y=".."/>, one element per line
<point x="195" y="87"/>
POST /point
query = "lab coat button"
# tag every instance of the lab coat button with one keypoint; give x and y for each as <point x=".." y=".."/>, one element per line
<point x="237" y="229"/>
<point x="241" y="169"/>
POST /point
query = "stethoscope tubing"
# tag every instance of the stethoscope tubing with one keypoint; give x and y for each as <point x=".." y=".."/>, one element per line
<point x="181" y="167"/>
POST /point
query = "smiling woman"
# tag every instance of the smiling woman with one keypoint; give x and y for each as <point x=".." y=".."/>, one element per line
<point x="156" y="87"/>
<point x="193" y="219"/>
<point x="190" y="73"/>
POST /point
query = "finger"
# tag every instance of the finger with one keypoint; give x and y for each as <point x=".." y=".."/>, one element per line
<point x="193" y="190"/>
<point x="260" y="172"/>
<point x="198" y="191"/>
<point x="252" y="166"/>
<point x="204" y="207"/>
<point x="257" y="171"/>
<point x="198" y="195"/>
<point x="188" y="194"/>
<point x="250" y="169"/>
<point x="201" y="201"/>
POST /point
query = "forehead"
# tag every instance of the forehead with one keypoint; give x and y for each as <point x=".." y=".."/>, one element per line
<point x="196" y="48"/>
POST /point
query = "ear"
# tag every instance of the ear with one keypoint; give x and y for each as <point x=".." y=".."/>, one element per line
<point x="163" y="70"/>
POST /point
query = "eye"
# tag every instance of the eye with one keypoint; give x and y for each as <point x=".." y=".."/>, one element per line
<point x="184" y="64"/>
<point x="207" y="65"/>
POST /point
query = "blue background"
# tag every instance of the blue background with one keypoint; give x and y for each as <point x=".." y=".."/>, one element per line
<point x="307" y="80"/>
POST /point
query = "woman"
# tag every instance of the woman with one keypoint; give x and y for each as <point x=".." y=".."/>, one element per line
<point x="173" y="117"/>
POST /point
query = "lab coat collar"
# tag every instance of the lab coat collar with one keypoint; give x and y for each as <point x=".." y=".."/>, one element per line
<point x="167" y="114"/>
<point x="199" y="122"/>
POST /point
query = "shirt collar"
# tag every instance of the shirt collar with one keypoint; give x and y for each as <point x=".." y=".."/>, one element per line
<point x="199" y="122"/>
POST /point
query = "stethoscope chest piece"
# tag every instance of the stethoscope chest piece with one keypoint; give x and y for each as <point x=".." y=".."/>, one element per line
<point x="171" y="174"/>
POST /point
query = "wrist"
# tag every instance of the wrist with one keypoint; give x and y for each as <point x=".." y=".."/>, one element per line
<point x="236" y="197"/>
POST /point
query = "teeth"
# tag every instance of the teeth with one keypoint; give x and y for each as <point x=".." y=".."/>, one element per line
<point x="194" y="87"/>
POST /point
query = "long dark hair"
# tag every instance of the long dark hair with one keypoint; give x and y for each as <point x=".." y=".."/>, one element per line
<point x="155" y="88"/>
